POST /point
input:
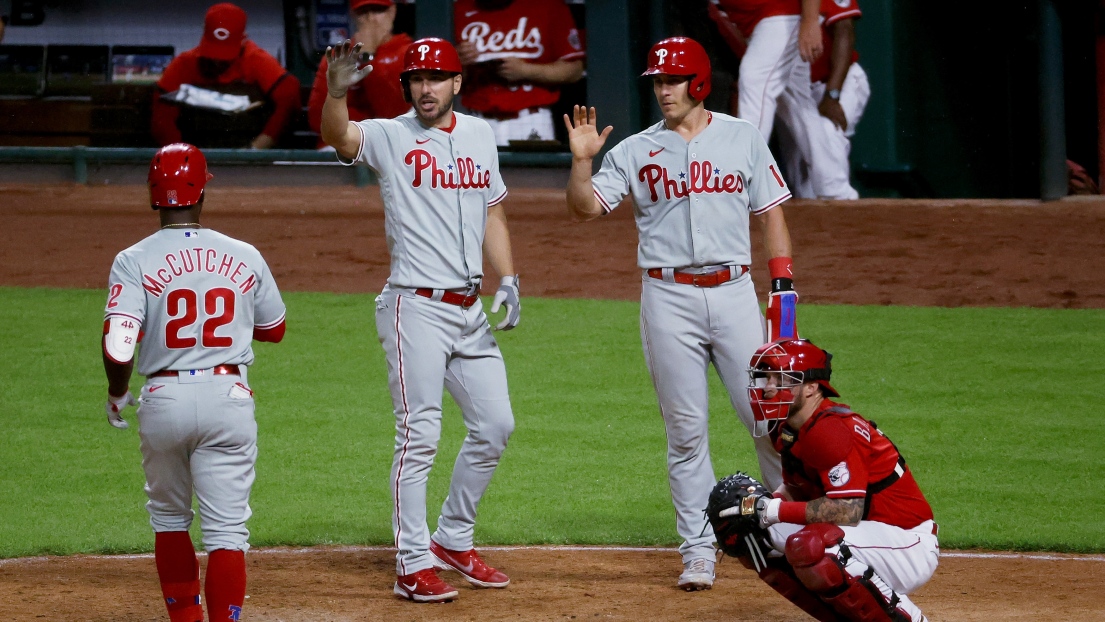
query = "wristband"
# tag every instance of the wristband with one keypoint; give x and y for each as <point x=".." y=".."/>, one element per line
<point x="793" y="512"/>
<point x="781" y="268"/>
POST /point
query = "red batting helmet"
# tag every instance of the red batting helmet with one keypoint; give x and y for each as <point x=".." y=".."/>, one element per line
<point x="680" y="56"/>
<point x="433" y="54"/>
<point x="178" y="174"/>
<point x="796" y="361"/>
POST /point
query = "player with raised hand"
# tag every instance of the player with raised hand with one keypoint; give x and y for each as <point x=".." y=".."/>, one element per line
<point x="196" y="299"/>
<point x="696" y="177"/>
<point x="443" y="204"/>
<point x="848" y="534"/>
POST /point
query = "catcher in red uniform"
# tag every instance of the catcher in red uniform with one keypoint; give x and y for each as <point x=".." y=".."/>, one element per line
<point x="849" y="534"/>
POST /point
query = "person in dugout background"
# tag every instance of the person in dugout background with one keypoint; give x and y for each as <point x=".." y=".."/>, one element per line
<point x="225" y="61"/>
<point x="379" y="95"/>
<point x="516" y="54"/>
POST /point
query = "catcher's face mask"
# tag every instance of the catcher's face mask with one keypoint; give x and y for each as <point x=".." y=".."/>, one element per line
<point x="777" y="372"/>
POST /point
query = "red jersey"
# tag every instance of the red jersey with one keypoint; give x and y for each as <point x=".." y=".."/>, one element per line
<point x="378" y="96"/>
<point x="745" y="14"/>
<point x="539" y="31"/>
<point x="832" y="11"/>
<point x="840" y="455"/>
<point x="253" y="67"/>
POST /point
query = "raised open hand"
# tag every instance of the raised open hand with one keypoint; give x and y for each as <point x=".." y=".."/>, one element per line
<point x="583" y="135"/>
<point x="344" y="67"/>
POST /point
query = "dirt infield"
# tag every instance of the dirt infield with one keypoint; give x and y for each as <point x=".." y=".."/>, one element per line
<point x="949" y="253"/>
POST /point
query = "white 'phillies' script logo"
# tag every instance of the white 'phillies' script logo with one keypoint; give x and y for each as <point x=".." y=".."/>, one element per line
<point x="423" y="50"/>
<point x="222" y="34"/>
<point x="662" y="53"/>
<point x="517" y="43"/>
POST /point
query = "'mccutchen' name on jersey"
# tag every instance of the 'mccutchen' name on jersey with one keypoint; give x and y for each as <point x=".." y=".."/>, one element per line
<point x="198" y="260"/>
<point x="692" y="199"/>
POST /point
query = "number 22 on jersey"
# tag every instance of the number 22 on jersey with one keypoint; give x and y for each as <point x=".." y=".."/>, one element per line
<point x="182" y="306"/>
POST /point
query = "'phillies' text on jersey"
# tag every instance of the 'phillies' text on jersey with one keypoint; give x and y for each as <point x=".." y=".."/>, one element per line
<point x="705" y="178"/>
<point x="468" y="174"/>
<point x="189" y="260"/>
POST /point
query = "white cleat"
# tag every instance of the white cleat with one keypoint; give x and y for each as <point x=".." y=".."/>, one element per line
<point x="698" y="574"/>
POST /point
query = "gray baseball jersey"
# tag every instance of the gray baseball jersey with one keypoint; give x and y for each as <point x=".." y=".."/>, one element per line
<point x="693" y="199"/>
<point x="436" y="185"/>
<point x="692" y="202"/>
<point x="189" y="288"/>
<point x="198" y="295"/>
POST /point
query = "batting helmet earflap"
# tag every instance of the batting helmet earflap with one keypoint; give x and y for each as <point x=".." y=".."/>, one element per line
<point x="178" y="173"/>
<point x="682" y="56"/>
<point x="432" y="54"/>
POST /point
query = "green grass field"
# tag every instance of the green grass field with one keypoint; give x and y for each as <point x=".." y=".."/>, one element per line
<point x="996" y="410"/>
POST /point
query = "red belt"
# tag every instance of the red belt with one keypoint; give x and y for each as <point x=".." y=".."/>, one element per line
<point x="935" y="528"/>
<point x="707" y="279"/>
<point x="219" y="370"/>
<point x="452" y="298"/>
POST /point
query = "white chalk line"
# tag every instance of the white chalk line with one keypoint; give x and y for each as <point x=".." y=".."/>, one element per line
<point x="552" y="548"/>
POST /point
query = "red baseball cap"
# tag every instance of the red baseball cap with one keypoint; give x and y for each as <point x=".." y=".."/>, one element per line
<point x="356" y="4"/>
<point x="224" y="28"/>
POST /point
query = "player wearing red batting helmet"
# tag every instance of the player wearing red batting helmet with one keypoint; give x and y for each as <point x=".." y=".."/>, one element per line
<point x="697" y="179"/>
<point x="680" y="56"/>
<point x="200" y="298"/>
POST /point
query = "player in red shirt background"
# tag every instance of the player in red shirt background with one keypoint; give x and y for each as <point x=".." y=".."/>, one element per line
<point x="379" y="95"/>
<point x="226" y="60"/>
<point x="849" y="534"/>
<point x="516" y="54"/>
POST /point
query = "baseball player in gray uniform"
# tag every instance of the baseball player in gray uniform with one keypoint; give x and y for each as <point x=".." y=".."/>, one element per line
<point x="439" y="178"/>
<point x="695" y="178"/>
<point x="196" y="299"/>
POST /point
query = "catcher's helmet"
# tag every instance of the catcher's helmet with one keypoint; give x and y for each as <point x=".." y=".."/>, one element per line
<point x="433" y="54"/>
<point x="178" y="174"/>
<point x="796" y="361"/>
<point x="681" y="56"/>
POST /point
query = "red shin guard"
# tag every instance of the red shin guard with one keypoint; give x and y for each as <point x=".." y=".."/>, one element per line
<point x="225" y="584"/>
<point x="179" y="573"/>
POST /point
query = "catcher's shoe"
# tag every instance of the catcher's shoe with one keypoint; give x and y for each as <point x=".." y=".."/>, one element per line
<point x="424" y="586"/>
<point x="469" y="565"/>
<point x="698" y="574"/>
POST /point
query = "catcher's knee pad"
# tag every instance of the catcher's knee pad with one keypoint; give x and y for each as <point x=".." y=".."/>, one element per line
<point x="780" y="576"/>
<point x="855" y="598"/>
<point x="805" y="550"/>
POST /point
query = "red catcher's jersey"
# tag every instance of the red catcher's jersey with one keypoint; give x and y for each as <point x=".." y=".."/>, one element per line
<point x="839" y="455"/>
<point x="832" y="11"/>
<point x="538" y="31"/>
<point x="378" y="96"/>
<point x="745" y="14"/>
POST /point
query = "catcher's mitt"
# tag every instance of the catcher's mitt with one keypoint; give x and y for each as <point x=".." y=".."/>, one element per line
<point x="732" y="513"/>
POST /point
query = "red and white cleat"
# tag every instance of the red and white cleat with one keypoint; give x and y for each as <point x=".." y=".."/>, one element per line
<point x="469" y="565"/>
<point x="424" y="586"/>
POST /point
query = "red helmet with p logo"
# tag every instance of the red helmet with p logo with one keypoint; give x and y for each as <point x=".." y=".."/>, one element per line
<point x="431" y="54"/>
<point x="680" y="56"/>
<point x="178" y="173"/>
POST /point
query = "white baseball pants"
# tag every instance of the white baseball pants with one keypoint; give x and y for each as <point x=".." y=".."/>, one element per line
<point x="823" y="171"/>
<point x="683" y="329"/>
<point x="431" y="346"/>
<point x="199" y="434"/>
<point x="903" y="559"/>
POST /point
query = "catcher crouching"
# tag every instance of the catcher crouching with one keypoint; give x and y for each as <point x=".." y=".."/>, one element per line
<point x="849" y="534"/>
